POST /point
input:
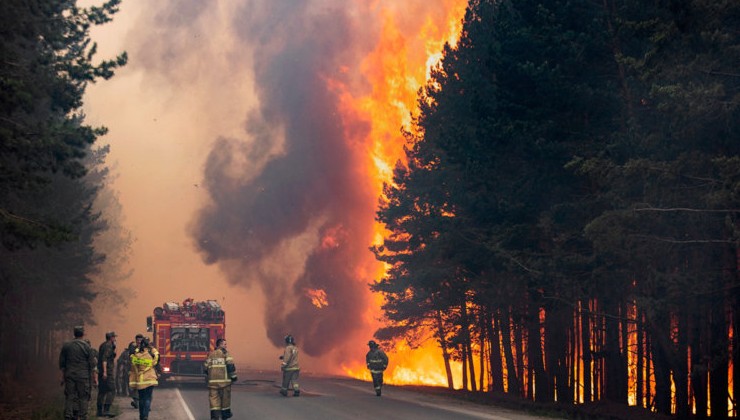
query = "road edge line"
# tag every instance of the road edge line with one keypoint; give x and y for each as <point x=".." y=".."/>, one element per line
<point x="184" y="404"/>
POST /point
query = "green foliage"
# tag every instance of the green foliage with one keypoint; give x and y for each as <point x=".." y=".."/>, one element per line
<point x="46" y="64"/>
<point x="50" y="175"/>
<point x="574" y="151"/>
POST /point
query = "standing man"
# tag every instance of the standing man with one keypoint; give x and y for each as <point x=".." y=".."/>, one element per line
<point x="221" y="372"/>
<point x="78" y="365"/>
<point x="376" y="361"/>
<point x="106" y="375"/>
<point x="143" y="376"/>
<point x="289" y="366"/>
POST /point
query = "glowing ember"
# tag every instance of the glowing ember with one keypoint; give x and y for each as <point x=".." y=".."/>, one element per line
<point x="318" y="297"/>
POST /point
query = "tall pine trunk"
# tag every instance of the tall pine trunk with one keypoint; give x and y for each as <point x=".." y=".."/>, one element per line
<point x="615" y="388"/>
<point x="445" y="352"/>
<point x="468" y="348"/>
<point x="719" y="364"/>
<point x="505" y="328"/>
<point x="542" y="392"/>
<point x="586" y="350"/>
<point x="497" y="372"/>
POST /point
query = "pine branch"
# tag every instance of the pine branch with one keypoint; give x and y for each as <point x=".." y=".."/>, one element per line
<point x="686" y="209"/>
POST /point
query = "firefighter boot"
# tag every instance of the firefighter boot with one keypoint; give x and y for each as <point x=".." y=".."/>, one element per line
<point x="226" y="414"/>
<point x="215" y="414"/>
<point x="377" y="391"/>
<point x="296" y="393"/>
<point x="99" y="413"/>
<point x="284" y="392"/>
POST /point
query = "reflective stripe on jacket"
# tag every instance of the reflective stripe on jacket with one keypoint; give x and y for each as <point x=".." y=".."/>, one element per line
<point x="377" y="361"/>
<point x="142" y="374"/>
<point x="219" y="374"/>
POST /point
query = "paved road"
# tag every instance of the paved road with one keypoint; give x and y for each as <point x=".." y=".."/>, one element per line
<point x="255" y="396"/>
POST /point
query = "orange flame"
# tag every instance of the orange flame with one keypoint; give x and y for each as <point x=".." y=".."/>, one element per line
<point x="318" y="297"/>
<point x="396" y="69"/>
<point x="407" y="366"/>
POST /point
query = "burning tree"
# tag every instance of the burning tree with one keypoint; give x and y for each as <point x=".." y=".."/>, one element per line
<point x="570" y="204"/>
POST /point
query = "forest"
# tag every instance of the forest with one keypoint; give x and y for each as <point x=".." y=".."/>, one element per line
<point x="53" y="185"/>
<point x="565" y="224"/>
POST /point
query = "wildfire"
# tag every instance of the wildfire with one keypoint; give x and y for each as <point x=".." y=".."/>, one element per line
<point x="318" y="297"/>
<point x="396" y="68"/>
<point x="409" y="366"/>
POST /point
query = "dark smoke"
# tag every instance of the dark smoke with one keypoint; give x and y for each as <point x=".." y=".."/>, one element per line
<point x="293" y="175"/>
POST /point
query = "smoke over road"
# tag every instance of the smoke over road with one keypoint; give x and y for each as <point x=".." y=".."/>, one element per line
<point x="290" y="206"/>
<point x="259" y="129"/>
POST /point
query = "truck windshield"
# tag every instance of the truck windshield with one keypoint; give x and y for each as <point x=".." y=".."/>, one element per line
<point x="189" y="339"/>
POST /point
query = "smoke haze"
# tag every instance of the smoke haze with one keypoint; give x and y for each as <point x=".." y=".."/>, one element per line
<point x="242" y="177"/>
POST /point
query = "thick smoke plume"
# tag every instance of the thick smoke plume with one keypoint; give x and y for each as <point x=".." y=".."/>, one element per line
<point x="272" y="87"/>
<point x="291" y="209"/>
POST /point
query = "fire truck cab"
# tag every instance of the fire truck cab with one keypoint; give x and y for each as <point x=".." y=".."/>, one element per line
<point x="184" y="334"/>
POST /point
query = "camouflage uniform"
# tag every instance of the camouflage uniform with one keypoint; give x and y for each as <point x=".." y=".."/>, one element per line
<point x="123" y="365"/>
<point x="78" y="364"/>
<point x="106" y="386"/>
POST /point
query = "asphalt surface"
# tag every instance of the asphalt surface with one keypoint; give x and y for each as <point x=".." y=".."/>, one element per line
<point x="255" y="396"/>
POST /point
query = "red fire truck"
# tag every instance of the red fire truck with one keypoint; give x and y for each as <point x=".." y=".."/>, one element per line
<point x="184" y="334"/>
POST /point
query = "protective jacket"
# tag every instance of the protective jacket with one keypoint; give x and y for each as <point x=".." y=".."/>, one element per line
<point x="377" y="361"/>
<point x="290" y="358"/>
<point x="142" y="374"/>
<point x="220" y="368"/>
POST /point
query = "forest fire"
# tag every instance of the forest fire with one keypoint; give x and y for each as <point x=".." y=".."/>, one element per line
<point x="318" y="297"/>
<point x="397" y="67"/>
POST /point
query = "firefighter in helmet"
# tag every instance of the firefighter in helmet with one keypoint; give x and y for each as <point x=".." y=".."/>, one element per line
<point x="377" y="362"/>
<point x="131" y="349"/>
<point x="143" y="375"/>
<point x="221" y="373"/>
<point x="79" y="369"/>
<point x="289" y="366"/>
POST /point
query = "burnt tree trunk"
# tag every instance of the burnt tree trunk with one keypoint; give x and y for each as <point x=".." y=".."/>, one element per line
<point x="719" y="363"/>
<point x="615" y="388"/>
<point x="445" y="352"/>
<point x="586" y="350"/>
<point x="542" y="392"/>
<point x="497" y="372"/>
<point x="505" y="328"/>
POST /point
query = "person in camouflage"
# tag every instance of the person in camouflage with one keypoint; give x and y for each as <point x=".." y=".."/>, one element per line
<point x="122" y="369"/>
<point x="106" y="375"/>
<point x="79" y="372"/>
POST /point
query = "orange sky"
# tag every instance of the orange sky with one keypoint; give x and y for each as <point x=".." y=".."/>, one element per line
<point x="202" y="75"/>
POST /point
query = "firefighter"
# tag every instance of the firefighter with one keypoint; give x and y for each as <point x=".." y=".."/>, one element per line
<point x="221" y="373"/>
<point x="79" y="369"/>
<point x="130" y="350"/>
<point x="106" y="375"/>
<point x="143" y="377"/>
<point x="289" y="366"/>
<point x="377" y="361"/>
